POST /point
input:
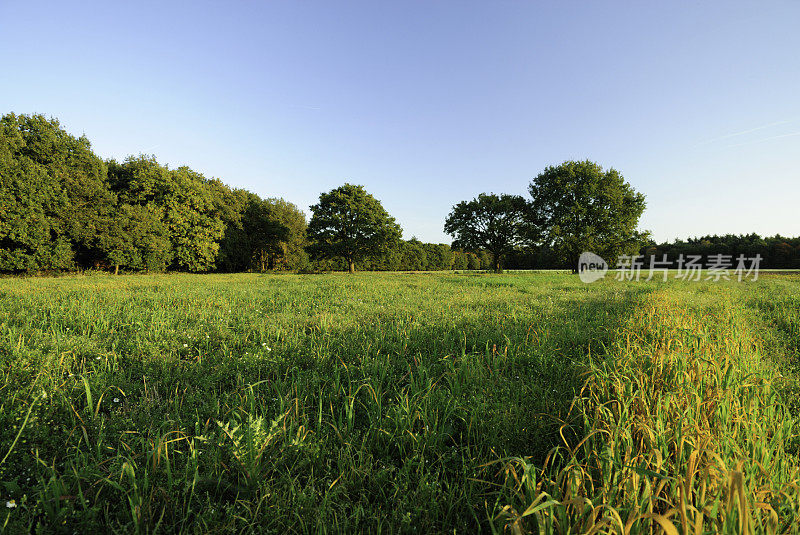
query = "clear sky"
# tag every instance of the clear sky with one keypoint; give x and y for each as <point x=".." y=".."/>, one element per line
<point x="430" y="103"/>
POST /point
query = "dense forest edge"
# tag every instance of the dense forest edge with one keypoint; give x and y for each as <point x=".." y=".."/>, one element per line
<point x="65" y="209"/>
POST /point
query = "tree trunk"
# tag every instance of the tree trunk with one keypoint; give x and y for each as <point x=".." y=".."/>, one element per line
<point x="116" y="269"/>
<point x="497" y="268"/>
<point x="352" y="266"/>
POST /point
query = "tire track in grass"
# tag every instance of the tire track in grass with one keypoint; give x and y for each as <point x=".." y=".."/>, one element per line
<point x="684" y="431"/>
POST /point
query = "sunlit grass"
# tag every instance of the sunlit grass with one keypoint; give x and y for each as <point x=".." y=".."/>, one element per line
<point x="392" y="402"/>
<point x="685" y="427"/>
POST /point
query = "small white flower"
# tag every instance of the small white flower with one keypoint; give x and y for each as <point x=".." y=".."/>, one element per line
<point x="185" y="345"/>
<point x="11" y="504"/>
<point x="97" y="358"/>
<point x="116" y="400"/>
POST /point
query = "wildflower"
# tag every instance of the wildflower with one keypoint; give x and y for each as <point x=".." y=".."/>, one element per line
<point x="264" y="345"/>
<point x="185" y="345"/>
<point x="116" y="400"/>
<point x="11" y="504"/>
<point x="97" y="358"/>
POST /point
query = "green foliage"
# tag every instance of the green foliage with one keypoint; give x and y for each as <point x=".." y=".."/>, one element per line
<point x="54" y="196"/>
<point x="578" y="206"/>
<point x="414" y="255"/>
<point x="350" y="223"/>
<point x="137" y="238"/>
<point x="473" y="261"/>
<point x="235" y="253"/>
<point x="423" y="403"/>
<point x="440" y="256"/>
<point x="288" y="253"/>
<point x="63" y="207"/>
<point x="194" y="223"/>
<point x="263" y="234"/>
<point x="779" y="252"/>
<point x="140" y="180"/>
<point x="460" y="260"/>
<point x="485" y="260"/>
<point x="191" y="215"/>
<point x="491" y="222"/>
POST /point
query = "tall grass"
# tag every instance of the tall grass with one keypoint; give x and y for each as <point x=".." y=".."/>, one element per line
<point x="391" y="403"/>
<point x="684" y="430"/>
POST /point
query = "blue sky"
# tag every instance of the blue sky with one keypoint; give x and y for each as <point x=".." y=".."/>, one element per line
<point x="431" y="103"/>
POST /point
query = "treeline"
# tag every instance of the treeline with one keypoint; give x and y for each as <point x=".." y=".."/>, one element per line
<point x="413" y="255"/>
<point x="63" y="208"/>
<point x="777" y="252"/>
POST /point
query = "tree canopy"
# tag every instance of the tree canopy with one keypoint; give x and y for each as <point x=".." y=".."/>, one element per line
<point x="349" y="223"/>
<point x="490" y="222"/>
<point x="62" y="207"/>
<point x="578" y="206"/>
<point x="55" y="199"/>
<point x="65" y="208"/>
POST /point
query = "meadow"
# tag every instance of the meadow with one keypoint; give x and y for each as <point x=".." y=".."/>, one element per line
<point x="398" y="403"/>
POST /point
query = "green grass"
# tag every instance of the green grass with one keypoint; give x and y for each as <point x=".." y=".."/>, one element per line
<point x="388" y="402"/>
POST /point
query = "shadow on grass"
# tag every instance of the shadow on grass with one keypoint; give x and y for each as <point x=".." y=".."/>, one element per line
<point x="405" y="418"/>
<point x="385" y="423"/>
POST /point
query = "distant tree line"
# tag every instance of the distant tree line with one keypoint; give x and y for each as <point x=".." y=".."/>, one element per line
<point x="64" y="208"/>
<point x="414" y="255"/>
<point x="777" y="252"/>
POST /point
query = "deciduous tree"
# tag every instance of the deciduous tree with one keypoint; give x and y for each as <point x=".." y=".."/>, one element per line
<point x="349" y="223"/>
<point x="54" y="196"/>
<point x="491" y="222"/>
<point x="578" y="206"/>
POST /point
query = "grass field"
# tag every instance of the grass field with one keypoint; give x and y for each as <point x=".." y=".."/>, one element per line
<point x="418" y="403"/>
